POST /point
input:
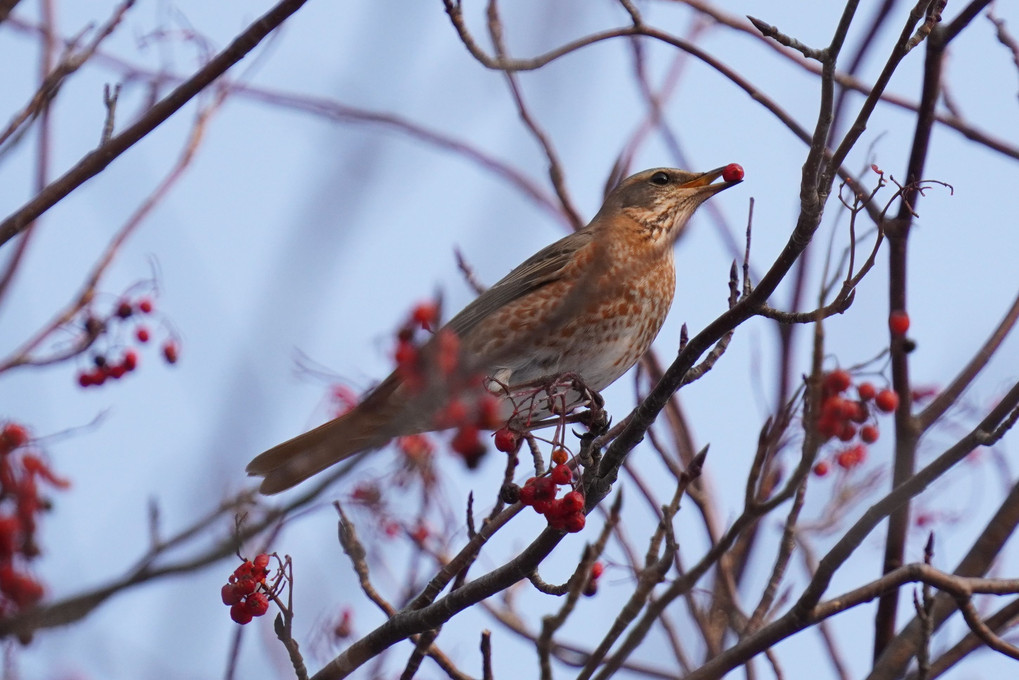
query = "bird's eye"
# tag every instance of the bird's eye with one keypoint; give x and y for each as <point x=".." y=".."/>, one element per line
<point x="660" y="178"/>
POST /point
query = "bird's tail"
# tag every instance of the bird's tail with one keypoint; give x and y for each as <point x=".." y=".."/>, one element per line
<point x="293" y="461"/>
<point x="387" y="411"/>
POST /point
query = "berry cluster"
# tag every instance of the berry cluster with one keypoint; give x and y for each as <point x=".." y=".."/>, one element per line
<point x="106" y="368"/>
<point x="591" y="589"/>
<point x="566" y="513"/>
<point x="848" y="420"/>
<point x="246" y="592"/>
<point x="21" y="469"/>
<point x="434" y="359"/>
<point x="413" y="363"/>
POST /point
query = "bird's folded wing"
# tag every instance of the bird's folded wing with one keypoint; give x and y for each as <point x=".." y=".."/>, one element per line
<point x="544" y="267"/>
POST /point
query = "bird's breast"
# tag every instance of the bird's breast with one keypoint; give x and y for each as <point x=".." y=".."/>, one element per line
<point x="596" y="324"/>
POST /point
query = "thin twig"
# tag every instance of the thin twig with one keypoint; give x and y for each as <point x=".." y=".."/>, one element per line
<point x="24" y="355"/>
<point x="555" y="168"/>
<point x="96" y="161"/>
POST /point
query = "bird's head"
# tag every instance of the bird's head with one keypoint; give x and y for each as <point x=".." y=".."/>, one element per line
<point x="658" y="202"/>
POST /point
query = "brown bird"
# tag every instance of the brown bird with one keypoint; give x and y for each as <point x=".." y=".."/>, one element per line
<point x="589" y="305"/>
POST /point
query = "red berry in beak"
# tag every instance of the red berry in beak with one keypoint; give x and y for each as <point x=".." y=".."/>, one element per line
<point x="732" y="172"/>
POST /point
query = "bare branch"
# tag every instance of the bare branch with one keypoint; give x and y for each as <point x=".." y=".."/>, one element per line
<point x="96" y="161"/>
<point x="72" y="61"/>
<point x="948" y="396"/>
<point x="769" y="31"/>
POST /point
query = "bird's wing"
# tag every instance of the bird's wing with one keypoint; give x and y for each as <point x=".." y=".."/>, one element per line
<point x="544" y="267"/>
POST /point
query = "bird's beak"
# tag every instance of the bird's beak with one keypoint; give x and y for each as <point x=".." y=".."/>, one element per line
<point x="710" y="176"/>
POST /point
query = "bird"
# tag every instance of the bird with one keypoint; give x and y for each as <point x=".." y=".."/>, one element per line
<point x="588" y="305"/>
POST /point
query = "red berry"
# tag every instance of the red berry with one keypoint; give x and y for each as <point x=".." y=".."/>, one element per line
<point x="10" y="529"/>
<point x="85" y="379"/>
<point x="229" y="594"/>
<point x="528" y="494"/>
<point x="489" y="412"/>
<point x="245" y="586"/>
<point x="261" y="561"/>
<point x="828" y="427"/>
<point x="506" y="440"/>
<point x="13" y="436"/>
<point x="886" y="400"/>
<point x="416" y="447"/>
<point x="851" y="457"/>
<point x="145" y="306"/>
<point x="898" y="322"/>
<point x="732" y="172"/>
<point x="425" y="315"/>
<point x="821" y="468"/>
<point x="142" y="333"/>
<point x="367" y="494"/>
<point x="596" y="570"/>
<point x="124" y="309"/>
<point x="575" y="522"/>
<point x="544" y="489"/>
<point x="545" y="506"/>
<point x="448" y="355"/>
<point x="837" y="381"/>
<point x="835" y="408"/>
<point x="869" y="434"/>
<point x="866" y="390"/>
<point x="257" y="604"/>
<point x="130" y="360"/>
<point x="558" y="509"/>
<point x="406" y="353"/>
<point x="562" y="474"/>
<point x="454" y="414"/>
<point x="560" y="456"/>
<point x="572" y="502"/>
<point x="170" y="351"/>
<point x="858" y="412"/>
<point x="466" y="441"/>
<point x="847" y="432"/>
<point x="20" y="588"/>
<point x="239" y="613"/>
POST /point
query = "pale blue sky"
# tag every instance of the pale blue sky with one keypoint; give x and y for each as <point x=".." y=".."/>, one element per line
<point x="292" y="233"/>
